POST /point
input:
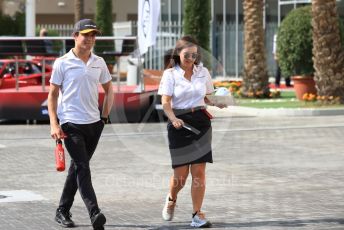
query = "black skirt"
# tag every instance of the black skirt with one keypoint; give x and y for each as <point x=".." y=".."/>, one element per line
<point x="187" y="147"/>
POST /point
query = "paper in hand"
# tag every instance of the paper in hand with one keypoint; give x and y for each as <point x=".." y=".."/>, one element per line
<point x="191" y="128"/>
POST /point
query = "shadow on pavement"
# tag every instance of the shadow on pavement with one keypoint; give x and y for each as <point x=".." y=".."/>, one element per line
<point x="277" y="223"/>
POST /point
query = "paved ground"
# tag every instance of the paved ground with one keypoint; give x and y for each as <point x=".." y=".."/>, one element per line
<point x="269" y="173"/>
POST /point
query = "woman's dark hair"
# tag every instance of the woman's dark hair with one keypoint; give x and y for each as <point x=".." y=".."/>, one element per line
<point x="184" y="42"/>
<point x="167" y="58"/>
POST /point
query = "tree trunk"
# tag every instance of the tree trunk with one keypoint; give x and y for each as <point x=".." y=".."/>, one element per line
<point x="328" y="55"/>
<point x="255" y="76"/>
<point x="78" y="10"/>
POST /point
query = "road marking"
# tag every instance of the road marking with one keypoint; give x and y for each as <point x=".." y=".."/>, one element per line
<point x="215" y="130"/>
<point x="19" y="196"/>
<point x="2" y="146"/>
<point x="233" y="130"/>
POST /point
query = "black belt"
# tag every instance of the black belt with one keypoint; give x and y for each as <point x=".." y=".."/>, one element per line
<point x="190" y="110"/>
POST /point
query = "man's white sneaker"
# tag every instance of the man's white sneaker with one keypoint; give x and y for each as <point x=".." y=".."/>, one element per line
<point x="168" y="211"/>
<point x="199" y="221"/>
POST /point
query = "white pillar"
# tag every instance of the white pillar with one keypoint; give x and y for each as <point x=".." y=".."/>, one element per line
<point x="224" y="38"/>
<point x="214" y="61"/>
<point x="170" y="23"/>
<point x="179" y="18"/>
<point x="30" y="19"/>
<point x="237" y="38"/>
<point x="264" y="14"/>
<point x="279" y="13"/>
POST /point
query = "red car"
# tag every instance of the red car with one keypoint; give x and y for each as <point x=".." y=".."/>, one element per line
<point x="29" y="73"/>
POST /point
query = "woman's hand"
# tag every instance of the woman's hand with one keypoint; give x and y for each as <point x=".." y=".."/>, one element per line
<point x="166" y="104"/>
<point x="177" y="123"/>
<point x="210" y="103"/>
<point x="221" y="106"/>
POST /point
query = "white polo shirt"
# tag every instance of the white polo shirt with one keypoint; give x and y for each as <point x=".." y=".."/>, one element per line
<point x="186" y="94"/>
<point x="78" y="98"/>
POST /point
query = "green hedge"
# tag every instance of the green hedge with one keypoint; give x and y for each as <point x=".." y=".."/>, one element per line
<point x="295" y="42"/>
<point x="196" y="23"/>
<point x="104" y="22"/>
<point x="14" y="26"/>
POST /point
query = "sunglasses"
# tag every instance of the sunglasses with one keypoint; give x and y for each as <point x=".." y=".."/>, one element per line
<point x="190" y="56"/>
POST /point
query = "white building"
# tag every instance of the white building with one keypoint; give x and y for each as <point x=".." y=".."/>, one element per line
<point x="227" y="22"/>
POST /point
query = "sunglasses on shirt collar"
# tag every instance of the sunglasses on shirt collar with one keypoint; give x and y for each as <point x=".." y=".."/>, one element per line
<point x="190" y="56"/>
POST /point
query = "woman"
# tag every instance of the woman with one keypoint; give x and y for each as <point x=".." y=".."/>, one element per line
<point x="183" y="88"/>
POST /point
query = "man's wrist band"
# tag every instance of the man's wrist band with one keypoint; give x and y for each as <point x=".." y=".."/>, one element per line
<point x="105" y="120"/>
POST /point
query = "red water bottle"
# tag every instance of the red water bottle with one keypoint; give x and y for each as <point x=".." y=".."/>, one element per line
<point x="59" y="156"/>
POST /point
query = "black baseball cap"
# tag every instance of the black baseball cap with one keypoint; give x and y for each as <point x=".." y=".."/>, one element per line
<point x="85" y="26"/>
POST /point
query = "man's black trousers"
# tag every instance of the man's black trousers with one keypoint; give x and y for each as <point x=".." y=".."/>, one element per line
<point x="81" y="142"/>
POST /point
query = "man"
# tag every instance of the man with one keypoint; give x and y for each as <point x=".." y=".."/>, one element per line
<point x="77" y="75"/>
<point x="278" y="70"/>
<point x="48" y="43"/>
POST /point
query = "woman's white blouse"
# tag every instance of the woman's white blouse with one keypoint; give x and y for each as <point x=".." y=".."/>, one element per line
<point x="186" y="94"/>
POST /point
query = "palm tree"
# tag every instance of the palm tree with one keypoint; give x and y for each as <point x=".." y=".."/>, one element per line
<point x="255" y="76"/>
<point x="78" y="10"/>
<point x="328" y="55"/>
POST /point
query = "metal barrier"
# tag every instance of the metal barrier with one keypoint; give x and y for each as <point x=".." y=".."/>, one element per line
<point x="37" y="46"/>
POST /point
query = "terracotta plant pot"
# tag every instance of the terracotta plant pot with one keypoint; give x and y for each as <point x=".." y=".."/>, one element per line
<point x="302" y="85"/>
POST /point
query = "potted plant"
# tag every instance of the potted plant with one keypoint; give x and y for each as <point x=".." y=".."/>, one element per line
<point x="294" y="50"/>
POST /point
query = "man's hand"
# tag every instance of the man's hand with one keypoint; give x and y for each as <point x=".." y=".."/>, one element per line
<point x="55" y="129"/>
<point x="105" y="120"/>
<point x="56" y="132"/>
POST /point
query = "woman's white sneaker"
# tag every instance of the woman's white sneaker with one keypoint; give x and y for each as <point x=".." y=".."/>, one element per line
<point x="168" y="210"/>
<point x="199" y="221"/>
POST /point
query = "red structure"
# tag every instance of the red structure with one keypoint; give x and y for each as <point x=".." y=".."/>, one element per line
<point x="30" y="103"/>
<point x="26" y="98"/>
